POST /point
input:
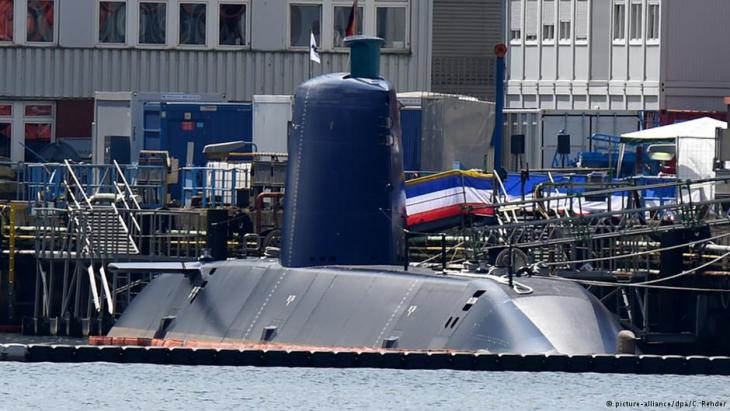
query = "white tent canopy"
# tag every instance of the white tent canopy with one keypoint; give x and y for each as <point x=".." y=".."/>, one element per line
<point x="694" y="143"/>
<point x="700" y="128"/>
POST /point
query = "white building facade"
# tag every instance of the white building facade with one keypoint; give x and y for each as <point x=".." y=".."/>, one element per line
<point x="634" y="55"/>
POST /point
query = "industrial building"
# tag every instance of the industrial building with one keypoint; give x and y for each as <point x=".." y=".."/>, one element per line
<point x="56" y="54"/>
<point x="617" y="54"/>
<point x="585" y="67"/>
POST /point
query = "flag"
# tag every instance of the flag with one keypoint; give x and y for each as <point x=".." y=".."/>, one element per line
<point x="313" y="50"/>
<point x="352" y="21"/>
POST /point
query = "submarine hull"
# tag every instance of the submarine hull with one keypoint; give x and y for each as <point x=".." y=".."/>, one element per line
<point x="253" y="301"/>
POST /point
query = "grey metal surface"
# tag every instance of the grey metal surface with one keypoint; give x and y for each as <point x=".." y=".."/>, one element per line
<point x="361" y="307"/>
<point x="454" y="129"/>
<point x="464" y="35"/>
<point x="694" y="55"/>
<point x="77" y="73"/>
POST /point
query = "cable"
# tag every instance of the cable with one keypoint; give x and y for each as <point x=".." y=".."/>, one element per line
<point x="650" y="283"/>
<point x="638" y="253"/>
<point x="418" y="264"/>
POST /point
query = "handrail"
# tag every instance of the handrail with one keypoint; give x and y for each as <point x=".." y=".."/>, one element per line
<point x="78" y="184"/>
<point x="126" y="230"/>
<point x="126" y="206"/>
<point x="596" y="193"/>
<point x="126" y="185"/>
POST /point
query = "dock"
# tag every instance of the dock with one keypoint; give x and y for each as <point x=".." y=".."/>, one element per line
<point x="392" y="359"/>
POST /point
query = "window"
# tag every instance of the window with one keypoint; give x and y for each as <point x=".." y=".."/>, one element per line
<point x="531" y="21"/>
<point x="636" y="16"/>
<point x="232" y="25"/>
<point x="548" y="21"/>
<point x="565" y="17"/>
<point x="6" y="21"/>
<point x="391" y="26"/>
<point x="564" y="31"/>
<point x="619" y="25"/>
<point x="341" y="20"/>
<point x="192" y="24"/>
<point x="304" y="20"/>
<point x="548" y="33"/>
<point x="38" y="129"/>
<point x="38" y="110"/>
<point x="6" y="123"/>
<point x="112" y="22"/>
<point x="40" y="21"/>
<point x="152" y="23"/>
<point x="515" y="31"/>
<point x="581" y="21"/>
<point x="652" y="22"/>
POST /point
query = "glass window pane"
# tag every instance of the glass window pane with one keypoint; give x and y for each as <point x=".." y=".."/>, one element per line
<point x="6" y="20"/>
<point x="636" y="16"/>
<point x="391" y="26"/>
<point x="112" y="22"/>
<point x="192" y="23"/>
<point x="40" y="20"/>
<point x="152" y="23"/>
<point x="6" y="110"/>
<point x="618" y="22"/>
<point x="232" y="24"/>
<point x="548" y="32"/>
<point x="342" y="20"/>
<point x="5" y="133"/>
<point x="304" y="20"/>
<point x="565" y="31"/>
<point x="38" y="110"/>
<point x="37" y="136"/>
<point x="652" y="31"/>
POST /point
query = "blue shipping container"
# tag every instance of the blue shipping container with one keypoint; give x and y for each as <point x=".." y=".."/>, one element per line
<point x="171" y="126"/>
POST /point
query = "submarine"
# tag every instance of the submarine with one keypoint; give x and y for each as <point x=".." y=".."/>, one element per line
<point x="341" y="279"/>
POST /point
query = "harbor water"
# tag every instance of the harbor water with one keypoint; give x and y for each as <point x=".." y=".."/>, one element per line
<point x="161" y="387"/>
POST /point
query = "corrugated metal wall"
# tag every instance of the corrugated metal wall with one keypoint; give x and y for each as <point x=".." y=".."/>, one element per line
<point x="464" y="35"/>
<point x="71" y="72"/>
<point x="74" y="72"/>
<point x="695" y="55"/>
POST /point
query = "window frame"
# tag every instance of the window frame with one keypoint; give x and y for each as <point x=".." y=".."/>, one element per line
<point x="137" y="15"/>
<point x="25" y="120"/>
<point x="13" y="29"/>
<point x="576" y="40"/>
<point x="538" y="20"/>
<point x="127" y="24"/>
<point x="405" y="5"/>
<point x="289" y="44"/>
<point x="8" y="119"/>
<point x="516" y="40"/>
<point x="568" y="40"/>
<point x="624" y="35"/>
<point x="369" y="26"/>
<point x="653" y="40"/>
<point x="246" y="44"/>
<point x="24" y="27"/>
<point x="207" y="44"/>
<point x="640" y="31"/>
<point x="347" y="4"/>
<point x="548" y="41"/>
<point x="559" y="21"/>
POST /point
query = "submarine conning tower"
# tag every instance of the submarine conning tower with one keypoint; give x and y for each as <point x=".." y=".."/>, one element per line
<point x="345" y="198"/>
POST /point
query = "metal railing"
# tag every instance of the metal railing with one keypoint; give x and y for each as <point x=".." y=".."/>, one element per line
<point x="41" y="184"/>
<point x="215" y="185"/>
